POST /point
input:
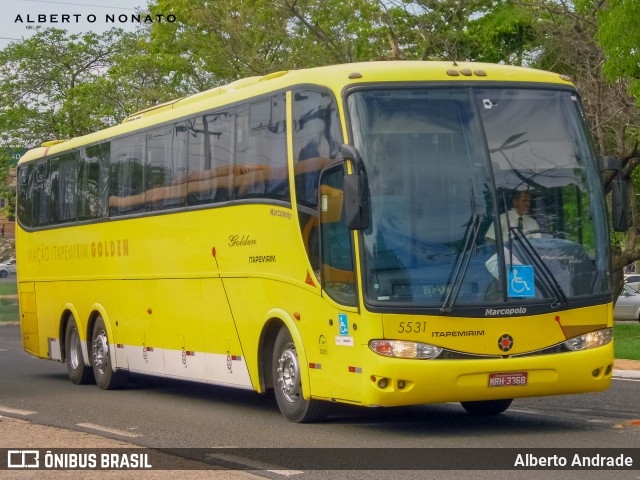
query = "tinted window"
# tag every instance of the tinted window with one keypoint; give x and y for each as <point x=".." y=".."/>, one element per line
<point x="93" y="175"/>
<point x="64" y="171"/>
<point x="165" y="167"/>
<point x="316" y="137"/>
<point x="261" y="151"/>
<point x="25" y="193"/>
<point x="126" y="175"/>
<point x="338" y="273"/>
<point x="210" y="158"/>
<point x="41" y="193"/>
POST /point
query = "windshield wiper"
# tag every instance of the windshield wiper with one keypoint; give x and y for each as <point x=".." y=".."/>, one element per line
<point x="548" y="280"/>
<point x="462" y="262"/>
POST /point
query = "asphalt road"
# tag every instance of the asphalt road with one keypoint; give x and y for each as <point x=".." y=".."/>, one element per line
<point x="161" y="413"/>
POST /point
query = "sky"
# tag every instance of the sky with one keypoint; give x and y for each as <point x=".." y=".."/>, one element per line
<point x="82" y="16"/>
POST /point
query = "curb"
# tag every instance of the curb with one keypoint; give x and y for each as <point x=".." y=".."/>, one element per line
<point x="626" y="374"/>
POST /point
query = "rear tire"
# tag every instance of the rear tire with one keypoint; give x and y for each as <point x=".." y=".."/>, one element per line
<point x="287" y="384"/>
<point x="79" y="373"/>
<point x="487" y="407"/>
<point x="106" y="377"/>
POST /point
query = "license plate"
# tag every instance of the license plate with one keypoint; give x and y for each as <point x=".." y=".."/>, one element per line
<point x="508" y="379"/>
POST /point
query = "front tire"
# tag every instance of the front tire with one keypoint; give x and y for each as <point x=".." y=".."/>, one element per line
<point x="487" y="407"/>
<point x="287" y="384"/>
<point x="79" y="373"/>
<point x="106" y="377"/>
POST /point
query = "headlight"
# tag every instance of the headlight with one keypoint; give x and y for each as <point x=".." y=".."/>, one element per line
<point x="589" y="340"/>
<point x="401" y="349"/>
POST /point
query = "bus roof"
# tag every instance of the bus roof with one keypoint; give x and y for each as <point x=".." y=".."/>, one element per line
<point x="334" y="77"/>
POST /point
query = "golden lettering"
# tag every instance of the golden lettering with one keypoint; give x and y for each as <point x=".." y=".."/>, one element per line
<point x="109" y="248"/>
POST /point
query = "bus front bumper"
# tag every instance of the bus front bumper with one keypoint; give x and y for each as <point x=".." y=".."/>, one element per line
<point x="399" y="382"/>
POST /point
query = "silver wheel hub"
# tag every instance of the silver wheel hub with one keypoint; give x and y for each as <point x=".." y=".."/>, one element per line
<point x="288" y="373"/>
<point x="101" y="352"/>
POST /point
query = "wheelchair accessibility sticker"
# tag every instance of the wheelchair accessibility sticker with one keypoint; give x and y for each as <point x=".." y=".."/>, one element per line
<point x="344" y="339"/>
<point x="343" y="321"/>
<point x="520" y="282"/>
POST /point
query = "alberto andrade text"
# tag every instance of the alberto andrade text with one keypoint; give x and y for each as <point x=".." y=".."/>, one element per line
<point x="575" y="460"/>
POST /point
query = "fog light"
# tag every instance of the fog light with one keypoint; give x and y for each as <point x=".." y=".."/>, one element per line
<point x="596" y="372"/>
<point x="383" y="382"/>
<point x="401" y="384"/>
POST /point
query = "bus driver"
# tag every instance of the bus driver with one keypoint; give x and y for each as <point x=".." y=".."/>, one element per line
<point x="517" y="217"/>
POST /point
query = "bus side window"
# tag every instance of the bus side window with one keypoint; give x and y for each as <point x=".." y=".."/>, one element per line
<point x="126" y="175"/>
<point x="41" y="192"/>
<point x="209" y="158"/>
<point x="316" y="135"/>
<point x="166" y="155"/>
<point x="93" y="177"/>
<point x="338" y="273"/>
<point x="64" y="170"/>
<point x="275" y="139"/>
<point x="261" y="151"/>
<point x="25" y="193"/>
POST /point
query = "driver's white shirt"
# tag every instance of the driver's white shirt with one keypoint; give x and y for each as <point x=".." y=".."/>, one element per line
<point x="529" y="224"/>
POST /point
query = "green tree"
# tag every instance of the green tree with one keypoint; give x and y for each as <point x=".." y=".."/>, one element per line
<point x="478" y="30"/>
<point x="504" y="32"/>
<point x="40" y="78"/>
<point x="57" y="85"/>
<point x="236" y="38"/>
<point x="137" y="78"/>
<point x="7" y="184"/>
<point x="220" y="41"/>
<point x="610" y="91"/>
<point x="619" y="36"/>
<point x="40" y="82"/>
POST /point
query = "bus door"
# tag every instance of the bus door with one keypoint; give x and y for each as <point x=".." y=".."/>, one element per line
<point x="346" y="332"/>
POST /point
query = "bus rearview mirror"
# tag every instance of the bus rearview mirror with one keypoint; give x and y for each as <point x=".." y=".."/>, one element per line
<point x="355" y="204"/>
<point x="620" y="203"/>
<point x="608" y="164"/>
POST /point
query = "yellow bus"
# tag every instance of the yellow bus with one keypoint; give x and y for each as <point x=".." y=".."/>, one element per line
<point x="331" y="234"/>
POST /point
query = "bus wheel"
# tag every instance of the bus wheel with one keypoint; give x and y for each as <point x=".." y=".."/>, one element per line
<point x="106" y="377"/>
<point x="78" y="372"/>
<point x="287" y="385"/>
<point x="487" y="407"/>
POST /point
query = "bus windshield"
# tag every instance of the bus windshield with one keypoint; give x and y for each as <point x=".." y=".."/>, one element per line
<point x="479" y="197"/>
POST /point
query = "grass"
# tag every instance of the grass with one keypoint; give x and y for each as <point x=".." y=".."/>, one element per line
<point x="9" y="306"/>
<point x="9" y="310"/>
<point x="627" y="340"/>
<point x="10" y="288"/>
